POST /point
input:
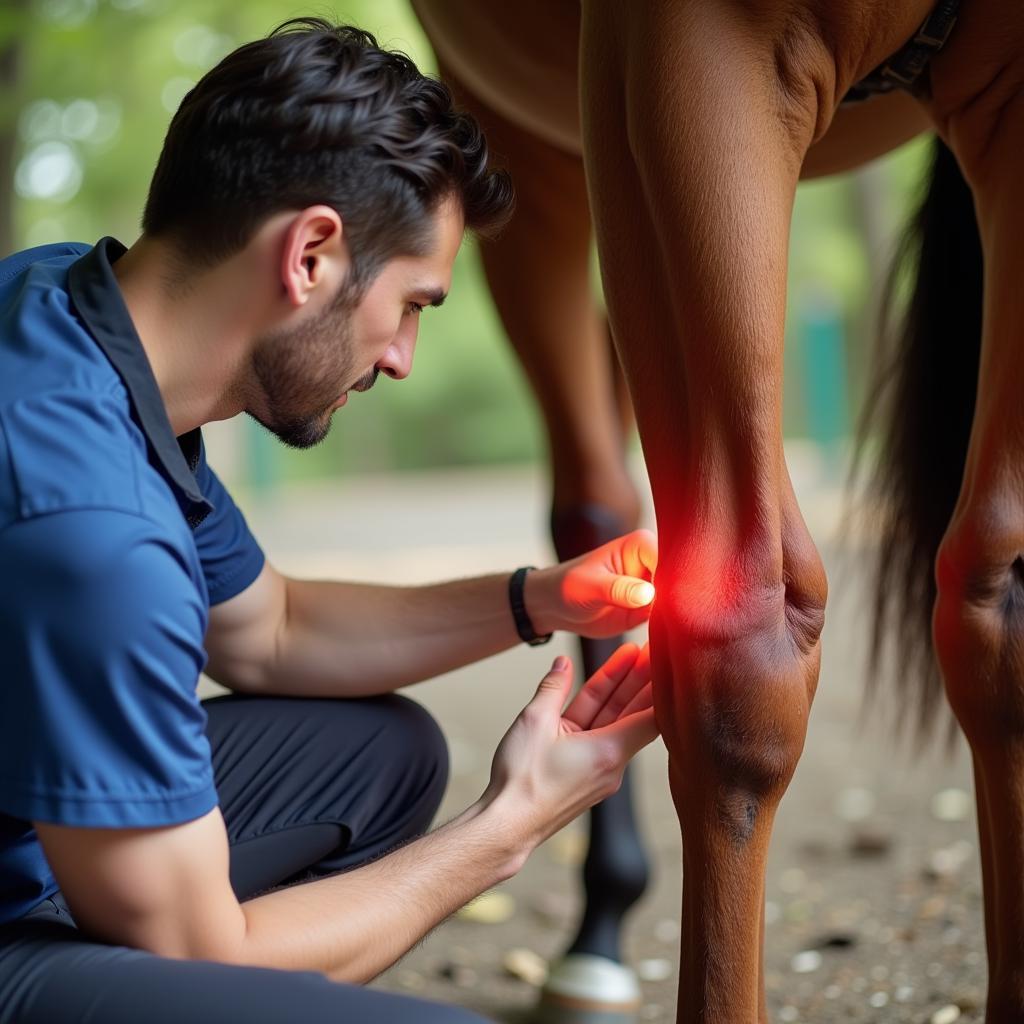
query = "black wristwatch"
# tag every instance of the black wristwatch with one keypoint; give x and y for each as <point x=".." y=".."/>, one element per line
<point x="524" y="627"/>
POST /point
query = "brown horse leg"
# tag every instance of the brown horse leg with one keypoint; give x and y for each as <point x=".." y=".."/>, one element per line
<point x="979" y="614"/>
<point x="695" y="125"/>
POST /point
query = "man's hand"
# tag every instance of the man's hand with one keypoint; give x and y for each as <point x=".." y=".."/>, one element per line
<point x="602" y="593"/>
<point x="552" y="764"/>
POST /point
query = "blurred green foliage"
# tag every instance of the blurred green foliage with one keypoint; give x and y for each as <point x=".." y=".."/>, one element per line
<point x="86" y="115"/>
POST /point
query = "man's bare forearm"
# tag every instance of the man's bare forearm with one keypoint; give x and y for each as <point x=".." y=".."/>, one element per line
<point x="352" y="926"/>
<point x="323" y="639"/>
<point x="355" y="639"/>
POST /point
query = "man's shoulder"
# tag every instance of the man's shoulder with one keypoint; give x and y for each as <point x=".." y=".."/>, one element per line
<point x="43" y="342"/>
<point x="67" y="450"/>
<point x="67" y="437"/>
<point x="56" y="255"/>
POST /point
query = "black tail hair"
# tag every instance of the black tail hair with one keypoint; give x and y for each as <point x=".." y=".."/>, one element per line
<point x="921" y="403"/>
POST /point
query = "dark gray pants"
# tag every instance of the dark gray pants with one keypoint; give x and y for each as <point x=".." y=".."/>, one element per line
<point x="307" y="788"/>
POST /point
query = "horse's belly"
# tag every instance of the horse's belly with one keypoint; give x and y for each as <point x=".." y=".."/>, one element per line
<point x="520" y="59"/>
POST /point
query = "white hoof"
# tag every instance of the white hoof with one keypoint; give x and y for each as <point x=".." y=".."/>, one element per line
<point x="591" y="984"/>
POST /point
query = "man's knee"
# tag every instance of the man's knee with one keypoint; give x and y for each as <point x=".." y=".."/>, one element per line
<point x="414" y="734"/>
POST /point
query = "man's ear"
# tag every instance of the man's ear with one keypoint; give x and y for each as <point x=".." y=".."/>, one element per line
<point x="315" y="254"/>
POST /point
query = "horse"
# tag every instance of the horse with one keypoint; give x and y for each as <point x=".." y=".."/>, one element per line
<point x="676" y="131"/>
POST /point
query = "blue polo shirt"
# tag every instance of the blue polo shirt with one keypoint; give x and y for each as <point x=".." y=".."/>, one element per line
<point x="115" y="539"/>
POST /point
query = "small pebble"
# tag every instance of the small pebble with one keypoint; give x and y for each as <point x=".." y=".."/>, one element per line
<point x="869" y="843"/>
<point x="932" y="907"/>
<point x="904" y="994"/>
<point x="459" y="975"/>
<point x="968" y="1001"/>
<point x="526" y="965"/>
<point x="947" y="861"/>
<point x="952" y="805"/>
<point x="491" y="907"/>
<point x="946" y="1015"/>
<point x="789" y="1014"/>
<point x="654" y="969"/>
<point x="855" y="803"/>
<point x="805" y="962"/>
<point x="411" y="980"/>
<point x="838" y="940"/>
<point x="878" y="999"/>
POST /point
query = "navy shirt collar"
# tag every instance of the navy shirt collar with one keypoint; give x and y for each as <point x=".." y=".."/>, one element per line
<point x="97" y="299"/>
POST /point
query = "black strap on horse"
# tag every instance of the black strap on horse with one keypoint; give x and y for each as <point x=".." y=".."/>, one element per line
<point x="905" y="68"/>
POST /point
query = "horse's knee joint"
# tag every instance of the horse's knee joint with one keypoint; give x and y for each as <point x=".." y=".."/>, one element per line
<point x="984" y="541"/>
<point x="753" y="765"/>
<point x="978" y="626"/>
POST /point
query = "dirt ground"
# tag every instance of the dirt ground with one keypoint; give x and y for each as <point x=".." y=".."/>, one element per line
<point x="874" y="898"/>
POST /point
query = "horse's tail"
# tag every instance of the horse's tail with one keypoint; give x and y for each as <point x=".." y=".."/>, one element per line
<point x="920" y="408"/>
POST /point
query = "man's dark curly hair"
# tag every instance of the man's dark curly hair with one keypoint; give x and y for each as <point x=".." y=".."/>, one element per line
<point x="319" y="113"/>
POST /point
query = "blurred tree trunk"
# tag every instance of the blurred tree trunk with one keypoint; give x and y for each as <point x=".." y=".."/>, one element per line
<point x="11" y="56"/>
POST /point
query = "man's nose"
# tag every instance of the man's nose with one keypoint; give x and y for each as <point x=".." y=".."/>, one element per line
<point x="397" y="360"/>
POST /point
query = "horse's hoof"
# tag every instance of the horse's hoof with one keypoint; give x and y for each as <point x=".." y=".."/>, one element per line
<point x="587" y="989"/>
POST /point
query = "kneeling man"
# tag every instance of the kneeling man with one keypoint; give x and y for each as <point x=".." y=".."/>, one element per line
<point x="255" y="857"/>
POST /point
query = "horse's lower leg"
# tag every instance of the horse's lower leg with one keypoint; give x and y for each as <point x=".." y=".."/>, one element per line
<point x="979" y="629"/>
<point x="978" y="622"/>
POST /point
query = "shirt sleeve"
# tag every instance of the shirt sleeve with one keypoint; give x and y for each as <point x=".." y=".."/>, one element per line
<point x="101" y="632"/>
<point x="230" y="556"/>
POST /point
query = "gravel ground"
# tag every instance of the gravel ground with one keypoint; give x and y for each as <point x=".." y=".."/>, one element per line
<point x="874" y="898"/>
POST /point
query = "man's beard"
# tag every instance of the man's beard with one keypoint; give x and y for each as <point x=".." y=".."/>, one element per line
<point x="304" y="371"/>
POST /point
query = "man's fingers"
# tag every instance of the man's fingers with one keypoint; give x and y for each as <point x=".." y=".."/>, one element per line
<point x="629" y="592"/>
<point x="595" y="692"/>
<point x="554" y="687"/>
<point x="621" y="696"/>
<point x="632" y="734"/>
<point x="641" y="702"/>
<point x="641" y="555"/>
